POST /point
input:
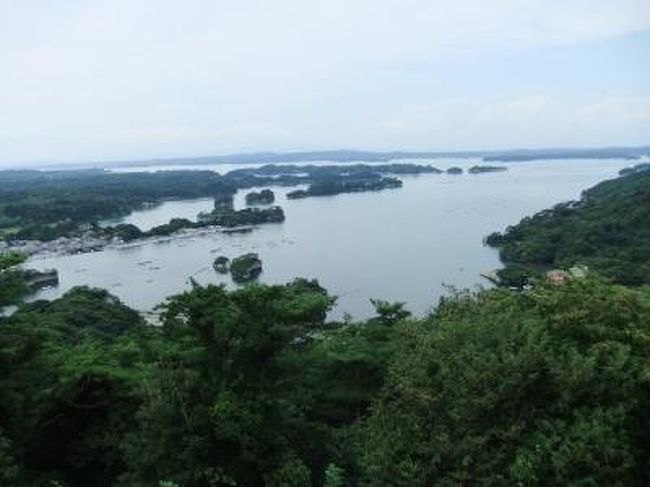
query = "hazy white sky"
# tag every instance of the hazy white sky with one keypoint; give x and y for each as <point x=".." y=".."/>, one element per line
<point x="130" y="79"/>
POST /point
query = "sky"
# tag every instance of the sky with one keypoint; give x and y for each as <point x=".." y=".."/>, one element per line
<point x="95" y="80"/>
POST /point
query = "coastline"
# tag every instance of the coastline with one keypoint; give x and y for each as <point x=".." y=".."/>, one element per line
<point x="37" y="250"/>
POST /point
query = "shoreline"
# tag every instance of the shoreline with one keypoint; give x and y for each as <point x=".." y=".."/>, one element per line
<point x="39" y="250"/>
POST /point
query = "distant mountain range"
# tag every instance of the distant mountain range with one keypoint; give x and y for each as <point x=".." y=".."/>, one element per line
<point x="377" y="156"/>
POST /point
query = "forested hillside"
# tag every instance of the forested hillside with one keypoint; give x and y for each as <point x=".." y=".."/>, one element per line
<point x="252" y="387"/>
<point x="608" y="230"/>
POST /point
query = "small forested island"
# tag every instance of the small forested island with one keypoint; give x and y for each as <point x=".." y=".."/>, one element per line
<point x="221" y="264"/>
<point x="297" y="194"/>
<point x="485" y="169"/>
<point x="608" y="231"/>
<point x="245" y="267"/>
<point x="454" y="170"/>
<point x="352" y="185"/>
<point x="226" y="217"/>
<point x="264" y="197"/>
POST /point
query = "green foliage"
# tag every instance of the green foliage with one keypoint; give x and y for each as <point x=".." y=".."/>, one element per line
<point x="68" y="376"/>
<point x="389" y="313"/>
<point x="547" y="386"/>
<point x="221" y="264"/>
<point x="292" y="473"/>
<point x="86" y="195"/>
<point x="127" y="232"/>
<point x="645" y="294"/>
<point x="9" y="470"/>
<point x="82" y="311"/>
<point x="174" y="225"/>
<point x="344" y="368"/>
<point x="245" y="267"/>
<point x="221" y="215"/>
<point x="643" y="166"/>
<point x="43" y="231"/>
<point x="10" y="259"/>
<point x="12" y="281"/>
<point x="12" y="287"/>
<point x="227" y="217"/>
<point x="517" y="275"/>
<point x="334" y="476"/>
<point x="49" y="204"/>
<point x="349" y="184"/>
<point x="253" y="387"/>
<point x="264" y="197"/>
<point x="218" y="402"/>
<point x="484" y="169"/>
<point x="608" y="230"/>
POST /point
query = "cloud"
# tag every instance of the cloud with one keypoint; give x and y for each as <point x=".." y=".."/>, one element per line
<point x="80" y="78"/>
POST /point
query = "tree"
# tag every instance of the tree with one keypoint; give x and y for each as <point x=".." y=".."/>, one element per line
<point x="545" y="386"/>
<point x="608" y="230"/>
<point x="68" y="370"/>
<point x="217" y="408"/>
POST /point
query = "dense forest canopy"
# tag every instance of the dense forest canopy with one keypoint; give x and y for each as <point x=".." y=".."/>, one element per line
<point x="83" y="196"/>
<point x="12" y="279"/>
<point x="254" y="387"/>
<point x="607" y="230"/>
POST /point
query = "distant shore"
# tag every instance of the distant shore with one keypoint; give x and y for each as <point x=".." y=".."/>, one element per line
<point x="506" y="155"/>
<point x="84" y="244"/>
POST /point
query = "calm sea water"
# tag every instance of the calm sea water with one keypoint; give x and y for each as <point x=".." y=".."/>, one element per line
<point x="405" y="244"/>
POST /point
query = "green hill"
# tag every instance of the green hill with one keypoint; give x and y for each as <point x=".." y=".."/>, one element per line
<point x="252" y="387"/>
<point x="608" y="230"/>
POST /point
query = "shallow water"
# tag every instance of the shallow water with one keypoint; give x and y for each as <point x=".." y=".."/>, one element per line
<point x="400" y="245"/>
